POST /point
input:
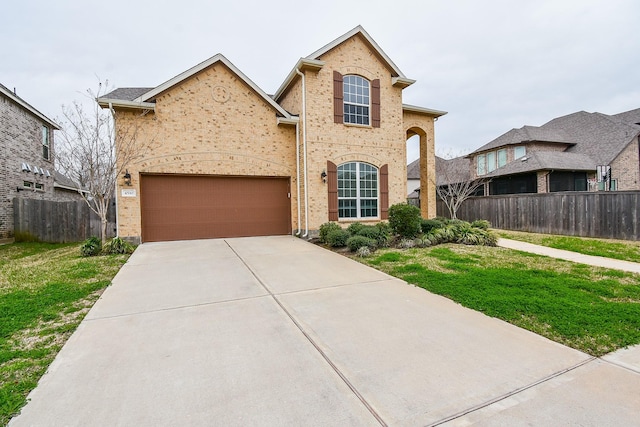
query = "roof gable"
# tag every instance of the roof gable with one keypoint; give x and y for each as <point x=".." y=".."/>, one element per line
<point x="314" y="61"/>
<point x="359" y="31"/>
<point x="24" y="104"/>
<point x="145" y="97"/>
<point x="219" y="58"/>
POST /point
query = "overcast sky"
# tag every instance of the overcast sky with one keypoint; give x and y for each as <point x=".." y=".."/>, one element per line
<point x="493" y="65"/>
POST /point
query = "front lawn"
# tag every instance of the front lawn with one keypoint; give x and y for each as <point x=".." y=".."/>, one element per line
<point x="45" y="291"/>
<point x="592" y="309"/>
<point x="625" y="250"/>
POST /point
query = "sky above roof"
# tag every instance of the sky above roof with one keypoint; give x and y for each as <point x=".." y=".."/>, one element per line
<point x="493" y="65"/>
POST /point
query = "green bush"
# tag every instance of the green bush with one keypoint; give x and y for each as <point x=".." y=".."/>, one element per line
<point x="337" y="238"/>
<point x="356" y="242"/>
<point x="481" y="223"/>
<point x="405" y="220"/>
<point x="325" y="229"/>
<point x="91" y="247"/>
<point x="118" y="246"/>
<point x="355" y="228"/>
<point x="427" y="225"/>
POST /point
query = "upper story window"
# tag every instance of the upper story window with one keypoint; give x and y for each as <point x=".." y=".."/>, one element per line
<point x="502" y="157"/>
<point x="356" y="100"/>
<point x="46" y="143"/>
<point x="519" y="151"/>
<point x="481" y="164"/>
<point x="357" y="191"/>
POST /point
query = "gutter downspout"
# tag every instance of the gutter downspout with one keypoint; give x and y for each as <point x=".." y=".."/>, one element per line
<point x="298" y="174"/>
<point x="304" y="149"/>
<point x="115" y="190"/>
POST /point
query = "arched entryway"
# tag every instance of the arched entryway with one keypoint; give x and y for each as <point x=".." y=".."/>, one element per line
<point x="427" y="169"/>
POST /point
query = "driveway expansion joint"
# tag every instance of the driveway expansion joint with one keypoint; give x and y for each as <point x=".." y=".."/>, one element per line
<point x="348" y="383"/>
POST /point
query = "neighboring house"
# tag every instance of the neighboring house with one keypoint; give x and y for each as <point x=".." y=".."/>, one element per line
<point x="27" y="150"/>
<point x="227" y="160"/>
<point x="448" y="172"/>
<point x="578" y="152"/>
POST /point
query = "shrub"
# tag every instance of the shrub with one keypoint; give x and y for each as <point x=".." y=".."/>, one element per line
<point x="118" y="246"/>
<point x="356" y="242"/>
<point x="355" y="228"/>
<point x="91" y="247"/>
<point x="363" y="252"/>
<point x="405" y="220"/>
<point x="337" y="238"/>
<point x="406" y="244"/>
<point x="481" y="223"/>
<point x="427" y="225"/>
<point x="326" y="228"/>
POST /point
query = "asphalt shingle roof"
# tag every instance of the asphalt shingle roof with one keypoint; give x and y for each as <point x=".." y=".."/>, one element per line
<point x="545" y="160"/>
<point x="127" y="93"/>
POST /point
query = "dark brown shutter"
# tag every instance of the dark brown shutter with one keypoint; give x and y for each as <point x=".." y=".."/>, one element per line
<point x="375" y="103"/>
<point x="338" y="96"/>
<point x="384" y="192"/>
<point x="332" y="183"/>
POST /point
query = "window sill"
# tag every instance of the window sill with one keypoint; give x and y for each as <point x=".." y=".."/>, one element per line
<point x="363" y="220"/>
<point x="356" y="125"/>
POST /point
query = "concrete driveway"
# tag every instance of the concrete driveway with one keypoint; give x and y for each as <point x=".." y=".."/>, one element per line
<point x="274" y="331"/>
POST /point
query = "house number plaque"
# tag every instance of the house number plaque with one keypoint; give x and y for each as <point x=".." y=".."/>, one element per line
<point x="128" y="192"/>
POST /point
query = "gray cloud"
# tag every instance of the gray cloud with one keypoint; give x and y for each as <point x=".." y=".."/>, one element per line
<point x="493" y="65"/>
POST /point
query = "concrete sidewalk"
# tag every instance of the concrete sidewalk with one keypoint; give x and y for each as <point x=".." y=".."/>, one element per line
<point x="597" y="261"/>
<point x="275" y="331"/>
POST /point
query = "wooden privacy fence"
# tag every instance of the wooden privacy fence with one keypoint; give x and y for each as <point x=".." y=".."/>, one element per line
<point x="612" y="215"/>
<point x="58" y="221"/>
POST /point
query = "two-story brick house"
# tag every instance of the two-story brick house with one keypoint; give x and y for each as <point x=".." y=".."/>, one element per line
<point x="227" y="159"/>
<point x="577" y="152"/>
<point x="27" y="167"/>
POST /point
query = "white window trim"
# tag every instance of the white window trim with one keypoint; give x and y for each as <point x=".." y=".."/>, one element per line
<point x="358" y="197"/>
<point x="345" y="102"/>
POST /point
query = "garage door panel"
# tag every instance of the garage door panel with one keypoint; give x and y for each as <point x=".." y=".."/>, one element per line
<point x="197" y="207"/>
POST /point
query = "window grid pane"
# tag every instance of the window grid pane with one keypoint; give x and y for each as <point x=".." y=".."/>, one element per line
<point x="357" y="190"/>
<point x="356" y="100"/>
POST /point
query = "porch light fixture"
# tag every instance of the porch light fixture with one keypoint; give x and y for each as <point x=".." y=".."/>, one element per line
<point x="323" y="175"/>
<point x="127" y="177"/>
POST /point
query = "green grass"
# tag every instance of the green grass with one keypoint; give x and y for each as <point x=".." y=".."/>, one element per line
<point x="625" y="250"/>
<point x="45" y="291"/>
<point x="591" y="309"/>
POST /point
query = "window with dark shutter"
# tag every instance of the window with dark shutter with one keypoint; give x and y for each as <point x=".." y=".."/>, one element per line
<point x="332" y="184"/>
<point x="384" y="192"/>
<point x="375" y="103"/>
<point x="337" y="98"/>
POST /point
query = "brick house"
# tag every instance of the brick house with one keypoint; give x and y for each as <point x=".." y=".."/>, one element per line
<point x="577" y="152"/>
<point x="226" y="159"/>
<point x="27" y="168"/>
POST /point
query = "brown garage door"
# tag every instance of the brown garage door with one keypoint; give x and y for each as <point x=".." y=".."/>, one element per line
<point x="178" y="207"/>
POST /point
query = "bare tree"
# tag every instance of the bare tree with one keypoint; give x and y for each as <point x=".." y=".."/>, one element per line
<point x="454" y="183"/>
<point x="92" y="154"/>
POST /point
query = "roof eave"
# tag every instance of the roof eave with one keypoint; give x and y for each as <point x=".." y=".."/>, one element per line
<point x="303" y="64"/>
<point x="402" y="82"/>
<point x="28" y="107"/>
<point x="121" y="103"/>
<point x="422" y="110"/>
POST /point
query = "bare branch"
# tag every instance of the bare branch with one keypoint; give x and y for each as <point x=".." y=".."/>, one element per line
<point x="89" y="152"/>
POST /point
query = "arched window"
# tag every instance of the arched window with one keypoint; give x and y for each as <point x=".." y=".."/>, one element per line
<point x="356" y="100"/>
<point x="357" y="191"/>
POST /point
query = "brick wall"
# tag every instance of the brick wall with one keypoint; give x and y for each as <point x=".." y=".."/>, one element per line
<point x="21" y="141"/>
<point x="210" y="124"/>
<point x="626" y="168"/>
